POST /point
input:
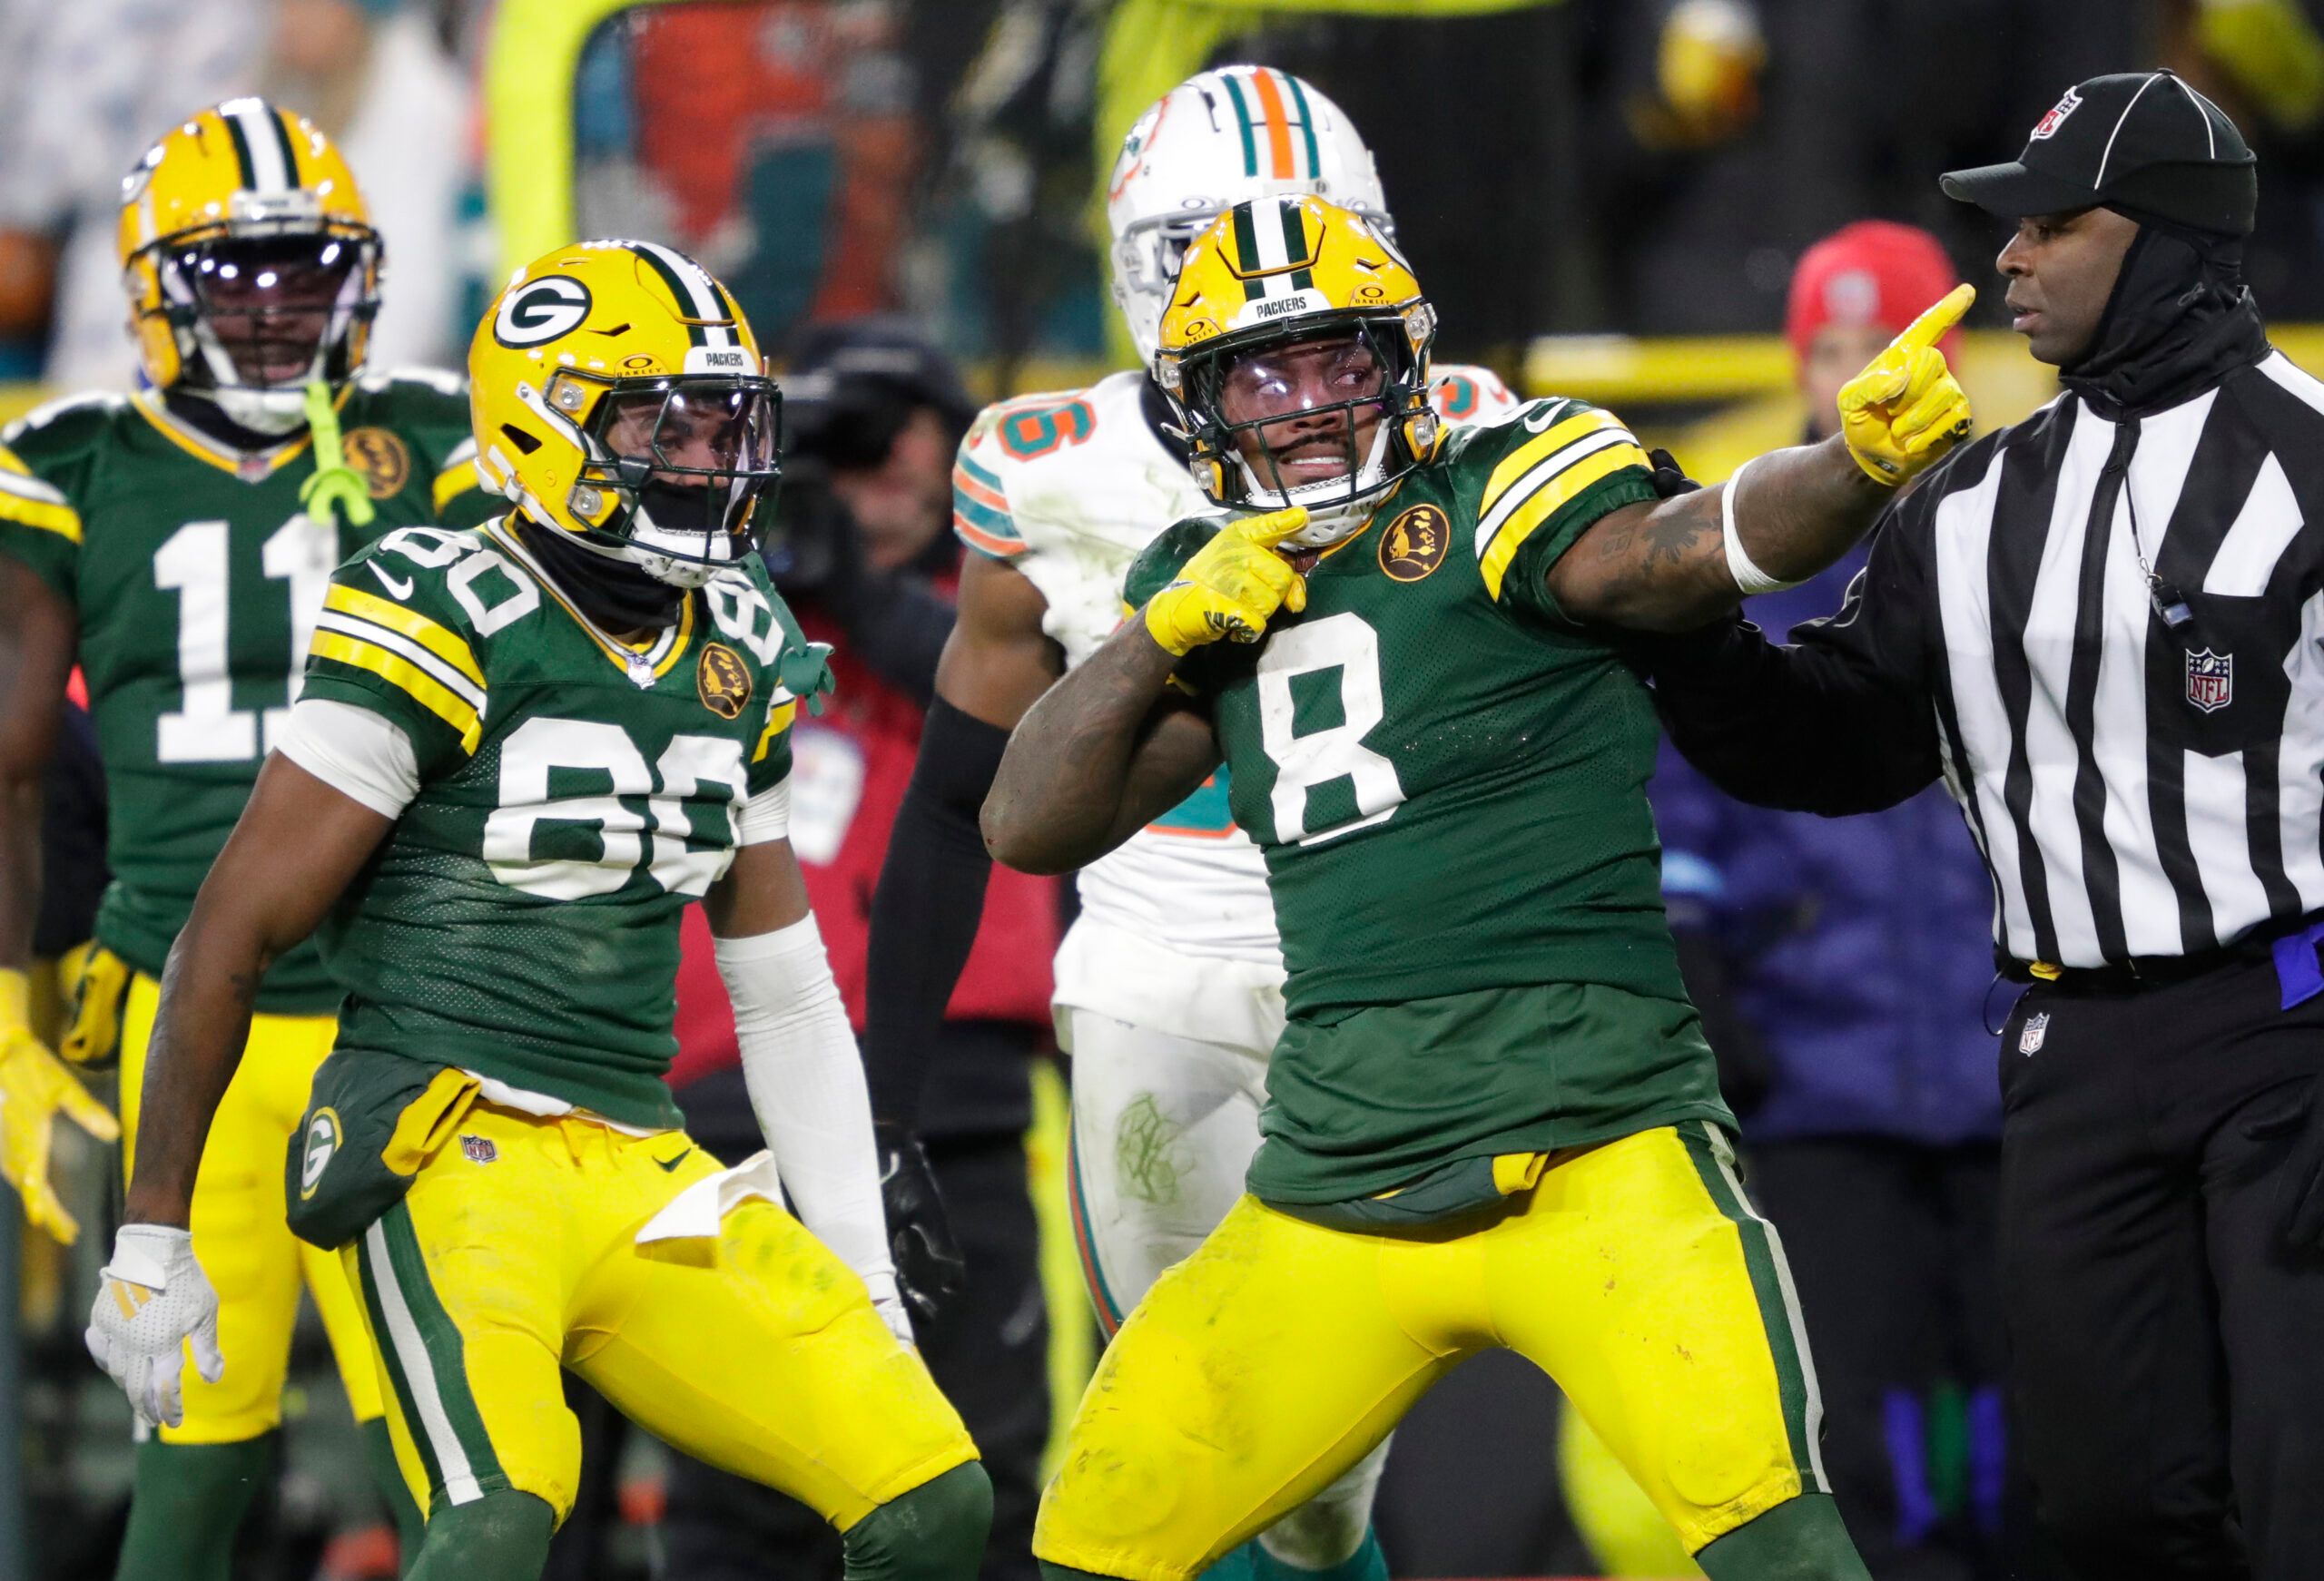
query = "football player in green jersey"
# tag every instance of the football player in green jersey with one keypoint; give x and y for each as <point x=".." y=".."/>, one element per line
<point x="175" y="543"/>
<point x="520" y="752"/>
<point x="1492" y="1118"/>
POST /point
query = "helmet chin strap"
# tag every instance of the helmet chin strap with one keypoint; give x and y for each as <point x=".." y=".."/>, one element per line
<point x="1336" y="507"/>
<point x="273" y="410"/>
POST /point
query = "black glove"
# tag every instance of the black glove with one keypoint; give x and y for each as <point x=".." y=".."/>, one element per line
<point x="928" y="1268"/>
<point x="2301" y="1126"/>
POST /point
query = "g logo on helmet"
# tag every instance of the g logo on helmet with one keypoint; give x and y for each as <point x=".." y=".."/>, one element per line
<point x="322" y="1145"/>
<point x="540" y="310"/>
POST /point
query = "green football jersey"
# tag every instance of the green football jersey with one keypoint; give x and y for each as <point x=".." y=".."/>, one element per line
<point x="1448" y="778"/>
<point x="197" y="575"/>
<point x="521" y="919"/>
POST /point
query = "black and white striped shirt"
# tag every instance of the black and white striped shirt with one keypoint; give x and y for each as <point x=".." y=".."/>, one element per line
<point x="2139" y="787"/>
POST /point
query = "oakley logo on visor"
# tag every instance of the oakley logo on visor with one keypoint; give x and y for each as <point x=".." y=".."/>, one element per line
<point x="541" y="311"/>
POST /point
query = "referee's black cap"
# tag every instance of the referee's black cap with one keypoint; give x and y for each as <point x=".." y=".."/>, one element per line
<point x="2144" y="141"/>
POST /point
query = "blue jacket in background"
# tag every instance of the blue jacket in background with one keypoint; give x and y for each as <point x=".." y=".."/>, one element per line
<point x="1859" y="950"/>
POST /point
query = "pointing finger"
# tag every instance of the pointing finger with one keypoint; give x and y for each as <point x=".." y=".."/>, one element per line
<point x="1273" y="527"/>
<point x="1930" y="327"/>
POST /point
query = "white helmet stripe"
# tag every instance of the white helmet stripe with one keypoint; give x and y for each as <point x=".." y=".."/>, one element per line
<point x="701" y="301"/>
<point x="261" y="139"/>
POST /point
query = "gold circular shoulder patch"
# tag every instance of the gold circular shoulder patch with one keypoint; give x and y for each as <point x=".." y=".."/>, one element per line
<point x="721" y="681"/>
<point x="381" y="457"/>
<point x="1415" y="543"/>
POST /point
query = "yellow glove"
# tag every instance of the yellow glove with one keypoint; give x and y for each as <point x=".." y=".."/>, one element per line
<point x="1232" y="587"/>
<point x="95" y="982"/>
<point x="34" y="1086"/>
<point x="1905" y="410"/>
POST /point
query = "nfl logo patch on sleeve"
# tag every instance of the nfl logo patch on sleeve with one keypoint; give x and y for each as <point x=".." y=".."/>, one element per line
<point x="2211" y="680"/>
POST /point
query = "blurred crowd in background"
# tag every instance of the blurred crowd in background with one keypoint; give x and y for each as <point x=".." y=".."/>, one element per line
<point x="905" y="197"/>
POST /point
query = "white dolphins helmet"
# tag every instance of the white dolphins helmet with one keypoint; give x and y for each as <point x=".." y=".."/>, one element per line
<point x="1223" y="137"/>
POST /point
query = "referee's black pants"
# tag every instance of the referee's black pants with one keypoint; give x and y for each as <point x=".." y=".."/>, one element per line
<point x="2166" y="1343"/>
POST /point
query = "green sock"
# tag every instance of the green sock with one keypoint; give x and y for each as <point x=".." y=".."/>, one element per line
<point x="186" y="1506"/>
<point x="935" y="1532"/>
<point x="379" y="1454"/>
<point x="502" y="1536"/>
<point x="1801" y="1539"/>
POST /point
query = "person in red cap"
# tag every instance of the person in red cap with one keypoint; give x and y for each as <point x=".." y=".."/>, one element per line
<point x="1839" y="968"/>
<point x="1850" y="295"/>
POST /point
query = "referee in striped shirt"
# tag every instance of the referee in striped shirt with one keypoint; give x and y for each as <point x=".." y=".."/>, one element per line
<point x="2103" y="627"/>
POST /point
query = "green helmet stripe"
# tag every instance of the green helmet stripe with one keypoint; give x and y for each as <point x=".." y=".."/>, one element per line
<point x="1242" y="121"/>
<point x="241" y="151"/>
<point x="1306" y="126"/>
<point x="679" y="295"/>
<point x="1294" y="245"/>
<point x="1246" y="250"/>
<point x="280" y="122"/>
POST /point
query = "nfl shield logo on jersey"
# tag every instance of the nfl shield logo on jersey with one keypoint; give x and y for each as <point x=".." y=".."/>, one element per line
<point x="2211" y="680"/>
<point x="2030" y="1035"/>
<point x="479" y="1149"/>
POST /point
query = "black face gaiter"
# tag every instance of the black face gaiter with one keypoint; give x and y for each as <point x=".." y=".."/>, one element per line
<point x="2179" y="319"/>
<point x="615" y="594"/>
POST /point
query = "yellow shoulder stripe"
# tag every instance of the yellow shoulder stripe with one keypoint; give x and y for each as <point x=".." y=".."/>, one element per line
<point x="47" y="516"/>
<point x="12" y="462"/>
<point x="1546" y="501"/>
<point x="441" y="640"/>
<point x="1555" y="438"/>
<point x="407" y="677"/>
<point x="455" y="481"/>
<point x="778" y="719"/>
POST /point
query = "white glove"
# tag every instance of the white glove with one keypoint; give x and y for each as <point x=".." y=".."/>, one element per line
<point x="153" y="1299"/>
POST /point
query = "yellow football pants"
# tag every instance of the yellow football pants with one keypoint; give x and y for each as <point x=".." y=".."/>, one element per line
<point x="758" y="1352"/>
<point x="255" y="1261"/>
<point x="1635" y="1273"/>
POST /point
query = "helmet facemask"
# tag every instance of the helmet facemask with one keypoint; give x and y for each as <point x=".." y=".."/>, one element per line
<point x="259" y="309"/>
<point x="1310" y="414"/>
<point x="686" y="460"/>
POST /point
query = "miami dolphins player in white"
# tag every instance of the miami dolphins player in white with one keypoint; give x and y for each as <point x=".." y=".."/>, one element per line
<point x="1169" y="984"/>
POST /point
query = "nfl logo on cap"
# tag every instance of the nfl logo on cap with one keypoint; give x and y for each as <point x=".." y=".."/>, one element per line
<point x="2211" y="680"/>
<point x="2048" y="125"/>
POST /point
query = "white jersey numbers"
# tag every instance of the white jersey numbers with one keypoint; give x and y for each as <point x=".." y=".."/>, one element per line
<point x="1346" y="645"/>
<point x="576" y="799"/>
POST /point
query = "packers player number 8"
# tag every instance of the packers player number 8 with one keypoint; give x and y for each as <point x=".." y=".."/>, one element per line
<point x="192" y="563"/>
<point x="1305" y="760"/>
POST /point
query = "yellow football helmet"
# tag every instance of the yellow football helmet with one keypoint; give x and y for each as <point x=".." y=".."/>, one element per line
<point x="1296" y="350"/>
<point x="618" y="395"/>
<point x="250" y="263"/>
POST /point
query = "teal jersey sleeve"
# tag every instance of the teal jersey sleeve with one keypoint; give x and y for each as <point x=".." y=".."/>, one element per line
<point x="1539" y="481"/>
<point x="44" y="460"/>
<point x="394" y="638"/>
